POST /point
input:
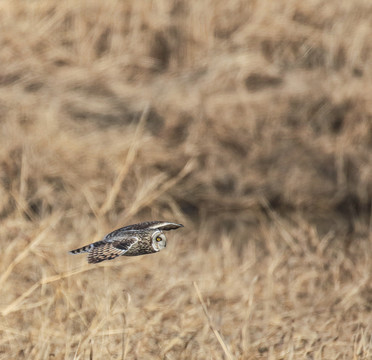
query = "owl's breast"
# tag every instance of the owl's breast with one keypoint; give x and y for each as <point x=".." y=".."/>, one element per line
<point x="140" y="248"/>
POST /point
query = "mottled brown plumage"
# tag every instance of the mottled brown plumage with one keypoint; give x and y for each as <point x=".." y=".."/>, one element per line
<point x="138" y="239"/>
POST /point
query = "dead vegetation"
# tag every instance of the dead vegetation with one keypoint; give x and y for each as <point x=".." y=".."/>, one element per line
<point x="248" y="122"/>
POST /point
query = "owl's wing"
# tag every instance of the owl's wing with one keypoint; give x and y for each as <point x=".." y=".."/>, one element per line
<point x="148" y="225"/>
<point x="107" y="250"/>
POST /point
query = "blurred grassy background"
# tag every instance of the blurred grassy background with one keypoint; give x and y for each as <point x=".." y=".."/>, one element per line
<point x="250" y="122"/>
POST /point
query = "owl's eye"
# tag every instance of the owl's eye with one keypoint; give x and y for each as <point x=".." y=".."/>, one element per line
<point x="158" y="238"/>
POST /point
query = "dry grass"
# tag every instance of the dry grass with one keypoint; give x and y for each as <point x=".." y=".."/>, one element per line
<point x="248" y="122"/>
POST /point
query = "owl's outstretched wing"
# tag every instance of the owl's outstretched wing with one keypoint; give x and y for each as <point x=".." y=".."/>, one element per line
<point x="148" y="225"/>
<point x="107" y="249"/>
<point x="119" y="241"/>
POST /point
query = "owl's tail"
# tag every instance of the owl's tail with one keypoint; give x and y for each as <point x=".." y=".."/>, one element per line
<point x="81" y="250"/>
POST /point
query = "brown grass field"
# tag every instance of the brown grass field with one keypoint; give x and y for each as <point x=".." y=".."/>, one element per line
<point x="250" y="122"/>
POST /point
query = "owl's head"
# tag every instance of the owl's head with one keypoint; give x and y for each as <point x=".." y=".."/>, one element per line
<point x="159" y="241"/>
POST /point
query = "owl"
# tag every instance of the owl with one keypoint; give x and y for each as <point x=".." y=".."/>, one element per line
<point x="132" y="240"/>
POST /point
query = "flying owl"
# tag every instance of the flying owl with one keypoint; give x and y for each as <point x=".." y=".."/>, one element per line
<point x="131" y="240"/>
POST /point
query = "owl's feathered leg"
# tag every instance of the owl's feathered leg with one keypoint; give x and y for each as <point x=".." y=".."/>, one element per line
<point x="106" y="250"/>
<point x="87" y="248"/>
<point x="81" y="250"/>
<point x="103" y="252"/>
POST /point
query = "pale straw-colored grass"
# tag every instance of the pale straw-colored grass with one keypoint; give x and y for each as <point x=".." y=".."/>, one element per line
<point x="248" y="122"/>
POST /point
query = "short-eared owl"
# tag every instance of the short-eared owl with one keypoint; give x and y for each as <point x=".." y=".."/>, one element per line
<point x="132" y="240"/>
